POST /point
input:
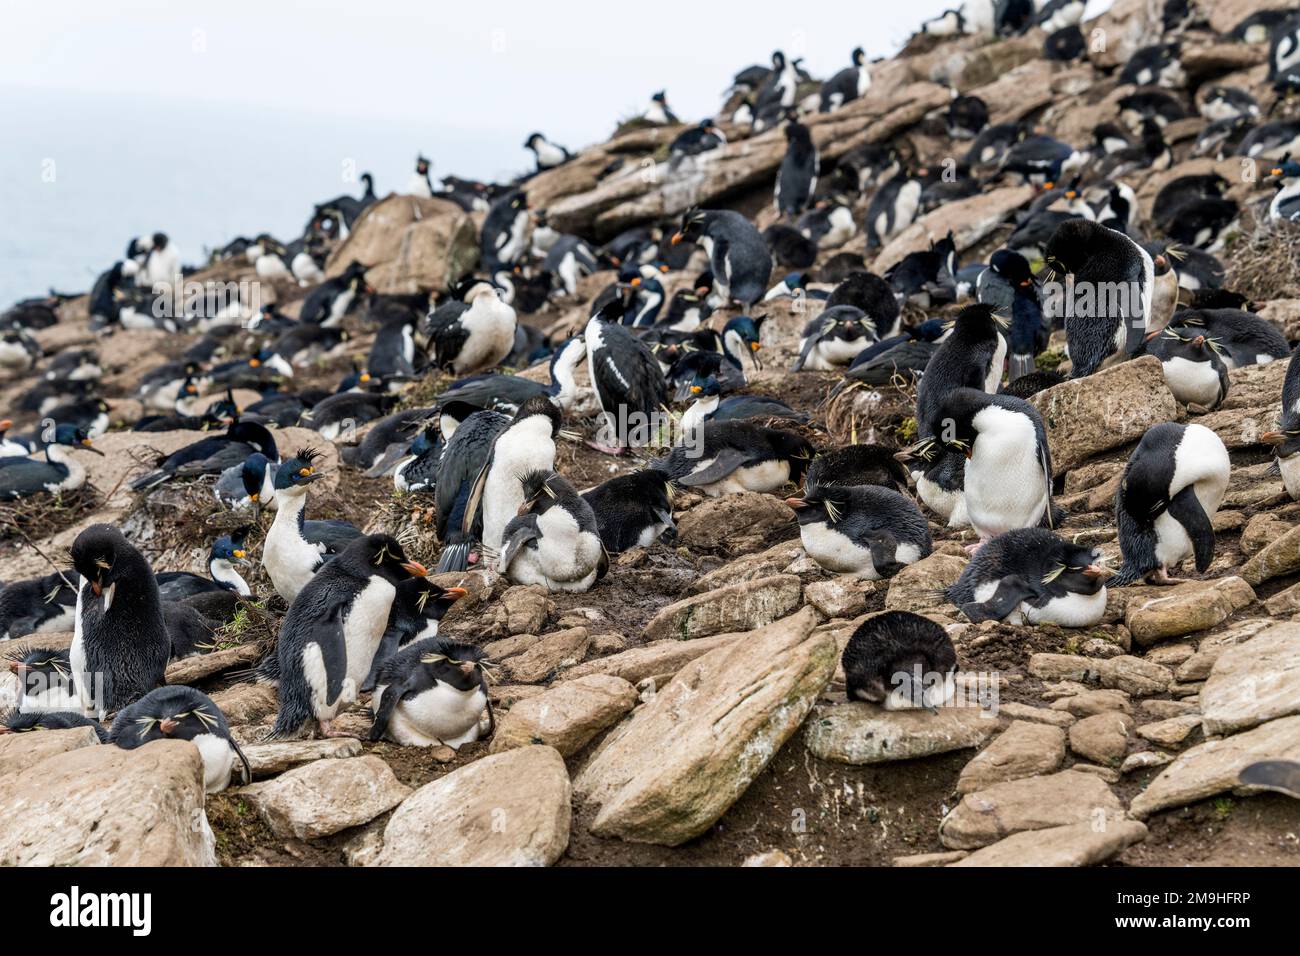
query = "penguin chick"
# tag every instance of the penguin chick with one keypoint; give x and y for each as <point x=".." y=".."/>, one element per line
<point x="433" y="693"/>
<point x="864" y="530"/>
<point x="1172" y="487"/>
<point x="1194" y="370"/>
<point x="633" y="510"/>
<point x="44" y="681"/>
<point x="328" y="639"/>
<point x="120" y="645"/>
<point x="1032" y="575"/>
<point x="177" y="712"/>
<point x="902" y="661"/>
<point x="730" y="457"/>
<point x="554" y="540"/>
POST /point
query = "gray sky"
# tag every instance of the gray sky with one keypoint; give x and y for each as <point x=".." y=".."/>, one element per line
<point x="568" y="67"/>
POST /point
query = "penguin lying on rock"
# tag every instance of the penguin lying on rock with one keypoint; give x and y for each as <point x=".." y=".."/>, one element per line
<point x="867" y="531"/>
<point x="433" y="693"/>
<point x="902" y="661"/>
<point x="177" y="712"/>
<point x="1031" y="575"/>
<point x="38" y="606"/>
<point x="17" y="722"/>
<point x="328" y="639"/>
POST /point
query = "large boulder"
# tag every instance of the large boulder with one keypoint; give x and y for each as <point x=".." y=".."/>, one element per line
<point x="567" y="716"/>
<point x="691" y="751"/>
<point x="409" y="244"/>
<point x="1186" y="609"/>
<point x="506" y="809"/>
<point x="105" y="806"/>
<point x="1108" y="409"/>
<point x="1253" y="682"/>
<point x="18" y="752"/>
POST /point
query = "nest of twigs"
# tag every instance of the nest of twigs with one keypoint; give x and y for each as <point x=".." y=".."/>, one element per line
<point x="44" y="515"/>
<point x="412" y="520"/>
<point x="1263" y="260"/>
<point x="865" y="414"/>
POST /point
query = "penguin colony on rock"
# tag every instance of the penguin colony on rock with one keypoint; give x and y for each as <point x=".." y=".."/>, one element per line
<point x="659" y="363"/>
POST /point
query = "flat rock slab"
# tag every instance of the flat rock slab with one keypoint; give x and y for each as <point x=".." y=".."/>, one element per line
<point x="861" y="733"/>
<point x="1033" y="803"/>
<point x="913" y="588"/>
<point x="1253" y="682"/>
<point x="506" y="809"/>
<point x="547" y="655"/>
<point x="733" y="521"/>
<point x="736" y="607"/>
<point x="105" y="806"/>
<point x="1079" y="844"/>
<point x="1170" y="732"/>
<point x="326" y="796"/>
<point x="1106" y="410"/>
<point x="1186" y="609"/>
<point x="1212" y="767"/>
<point x="18" y="752"/>
<point x="692" y="750"/>
<point x="275" y="757"/>
<point x="1024" y="749"/>
<point x="1135" y="676"/>
<point x="567" y="716"/>
<point x="650" y="660"/>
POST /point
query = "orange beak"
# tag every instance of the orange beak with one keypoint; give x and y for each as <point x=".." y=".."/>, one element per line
<point x="97" y="588"/>
<point x="168" y="725"/>
<point x="635" y="282"/>
<point x="1272" y="438"/>
<point x="415" y="569"/>
<point x="795" y="502"/>
<point x="5" y="425"/>
<point x="695" y="389"/>
<point x="677" y="237"/>
<point x="455" y="593"/>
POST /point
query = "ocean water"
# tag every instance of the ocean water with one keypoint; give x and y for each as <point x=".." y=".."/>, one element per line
<point x="81" y="175"/>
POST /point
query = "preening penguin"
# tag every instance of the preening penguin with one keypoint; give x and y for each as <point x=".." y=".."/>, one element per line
<point x="902" y="661"/>
<point x="632" y="510"/>
<point x="1031" y="575"/>
<point x="553" y="540"/>
<point x="1172" y="487"/>
<point x="738" y="256"/>
<point x="733" y="456"/>
<point x="526" y="445"/>
<point x="120" y="646"/>
<point x="177" y="712"/>
<point x="864" y="530"/>
<point x="333" y="629"/>
<point x="433" y="693"/>
<point x="1119" y="275"/>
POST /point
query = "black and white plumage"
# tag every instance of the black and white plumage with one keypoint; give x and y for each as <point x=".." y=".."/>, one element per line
<point x="38" y="605"/>
<point x="627" y="378"/>
<point x="1285" y="439"/>
<point x="548" y="154"/>
<point x="796" y="179"/>
<point x="212" y="456"/>
<point x="967" y="116"/>
<point x="1155" y="65"/>
<point x="874" y="296"/>
<point x="18" y="722"/>
<point x="834" y="338"/>
<point x="1285" y="204"/>
<point x="387" y="441"/>
<point x="328" y="639"/>
<point x="730" y="457"/>
<point x="120" y="645"/>
<point x="553" y="540"/>
<point x="848" y="84"/>
<point x="864" y="530"/>
<point x="1271" y="141"/>
<point x="465" y="457"/>
<point x="45" y="682"/>
<point x="1008" y="476"/>
<point x="182" y="713"/>
<point x="1030" y="575"/>
<point x="695" y="142"/>
<point x="227" y="554"/>
<point x="295" y="548"/>
<point x="740" y="260"/>
<point x="829" y="224"/>
<point x="433" y="693"/>
<point x="893" y="208"/>
<point x="1193" y="365"/>
<point x="418" y="607"/>
<point x="1121" y="276"/>
<point x="901" y="661"/>
<point x="1172" y="487"/>
<point x="1243" y="338"/>
<point x="474" y="334"/>
<point x="330" y="301"/>
<point x="632" y="510"/>
<point x="659" y="113"/>
<point x="927" y="277"/>
<point x="60" y="471"/>
<point x="504" y="238"/>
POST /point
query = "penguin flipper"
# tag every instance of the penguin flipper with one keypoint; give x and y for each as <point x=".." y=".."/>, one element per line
<point x="884" y="549"/>
<point x="1011" y="592"/>
<point x="727" y="461"/>
<point x="1282" y="776"/>
<point x="1185" y="508"/>
<point x="518" y="533"/>
<point x="393" y="695"/>
<point x="247" y="773"/>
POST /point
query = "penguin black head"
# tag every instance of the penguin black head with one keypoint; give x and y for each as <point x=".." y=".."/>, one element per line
<point x="821" y="503"/>
<point x="252" y="473"/>
<point x="74" y="437"/>
<point x="40" y="669"/>
<point x="705" y="386"/>
<point x="1013" y="267"/>
<point x="1075" y="242"/>
<point x="422" y="165"/>
<point x="379" y="554"/>
<point x="1078" y="569"/>
<point x="794" y="449"/>
<point x="695" y="223"/>
<point x="256" y="435"/>
<point x="426" y="599"/>
<point x="230" y="547"/>
<point x="457" y="664"/>
<point x="160" y="241"/>
<point x="661" y="97"/>
<point x="1177" y="341"/>
<point x="104" y="558"/>
<point x="298" y="472"/>
<point x="544" y="490"/>
<point x="174" y="712"/>
<point x="540" y="405"/>
<point x="901" y="660"/>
